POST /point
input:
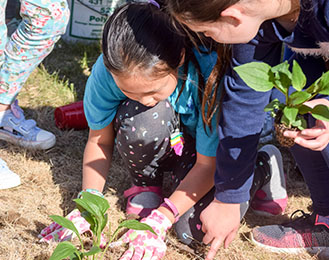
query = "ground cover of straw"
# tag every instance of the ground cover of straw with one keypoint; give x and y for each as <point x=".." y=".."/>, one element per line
<point x="51" y="179"/>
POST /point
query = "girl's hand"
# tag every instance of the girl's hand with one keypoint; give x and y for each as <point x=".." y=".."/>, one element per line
<point x="315" y="138"/>
<point x="56" y="233"/>
<point x="220" y="223"/>
<point x="144" y="244"/>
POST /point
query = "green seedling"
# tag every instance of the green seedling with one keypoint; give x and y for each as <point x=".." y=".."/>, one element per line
<point x="93" y="209"/>
<point x="262" y="77"/>
<point x="288" y="115"/>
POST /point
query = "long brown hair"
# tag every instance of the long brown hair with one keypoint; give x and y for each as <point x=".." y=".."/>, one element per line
<point x="209" y="11"/>
<point x="210" y="102"/>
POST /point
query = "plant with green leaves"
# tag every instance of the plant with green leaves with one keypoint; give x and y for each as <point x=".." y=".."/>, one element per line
<point x="93" y="209"/>
<point x="289" y="115"/>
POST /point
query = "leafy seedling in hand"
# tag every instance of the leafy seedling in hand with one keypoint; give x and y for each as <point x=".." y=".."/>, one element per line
<point x="93" y="209"/>
<point x="290" y="114"/>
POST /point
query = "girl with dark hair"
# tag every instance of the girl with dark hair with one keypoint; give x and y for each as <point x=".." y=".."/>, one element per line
<point x="144" y="95"/>
<point x="257" y="29"/>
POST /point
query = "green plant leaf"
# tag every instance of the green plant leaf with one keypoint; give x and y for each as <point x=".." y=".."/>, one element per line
<point x="273" y="114"/>
<point x="101" y="203"/>
<point x="274" y="104"/>
<point x="282" y="82"/>
<point x="290" y="113"/>
<point x="304" y="123"/>
<point x="104" y="222"/>
<point x="300" y="124"/>
<point x="93" y="251"/>
<point x="90" y="219"/>
<point x="256" y="75"/>
<point x="282" y="76"/>
<point x="283" y="67"/>
<point x="298" y="77"/>
<point x="80" y="208"/>
<point x="324" y="82"/>
<point x="76" y="256"/>
<point x="269" y="109"/>
<point x="297" y="123"/>
<point x="136" y="225"/>
<point x="89" y="206"/>
<point x="64" y="222"/>
<point x="284" y="120"/>
<point x="314" y="88"/>
<point x="303" y="109"/>
<point x="63" y="250"/>
<point x="321" y="112"/>
<point x="299" y="97"/>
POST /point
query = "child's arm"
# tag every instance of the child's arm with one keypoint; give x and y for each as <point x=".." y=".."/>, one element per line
<point x="97" y="158"/>
<point x="96" y="163"/>
<point x="193" y="187"/>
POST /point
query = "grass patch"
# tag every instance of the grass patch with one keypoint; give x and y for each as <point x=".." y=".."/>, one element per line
<point x="58" y="91"/>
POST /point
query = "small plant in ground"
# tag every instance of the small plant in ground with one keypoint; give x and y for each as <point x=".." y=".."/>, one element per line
<point x="289" y="115"/>
<point x="93" y="209"/>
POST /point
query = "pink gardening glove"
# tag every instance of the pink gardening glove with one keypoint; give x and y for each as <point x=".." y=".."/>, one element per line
<point x="56" y="233"/>
<point x="144" y="244"/>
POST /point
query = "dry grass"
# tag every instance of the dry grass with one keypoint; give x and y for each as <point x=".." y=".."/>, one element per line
<point x="51" y="179"/>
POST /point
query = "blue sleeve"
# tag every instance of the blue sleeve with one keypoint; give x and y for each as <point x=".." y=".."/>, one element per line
<point x="242" y="112"/>
<point x="241" y="119"/>
<point x="102" y="97"/>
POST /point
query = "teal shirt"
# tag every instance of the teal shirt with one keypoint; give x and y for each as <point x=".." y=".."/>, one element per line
<point x="102" y="98"/>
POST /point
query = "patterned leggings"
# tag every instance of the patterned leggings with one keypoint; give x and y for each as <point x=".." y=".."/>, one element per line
<point x="43" y="22"/>
<point x="143" y="142"/>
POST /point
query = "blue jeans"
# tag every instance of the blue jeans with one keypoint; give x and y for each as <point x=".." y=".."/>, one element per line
<point x="314" y="166"/>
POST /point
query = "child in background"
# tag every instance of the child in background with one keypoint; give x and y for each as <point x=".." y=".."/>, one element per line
<point x="42" y="24"/>
<point x="257" y="29"/>
<point x="144" y="95"/>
